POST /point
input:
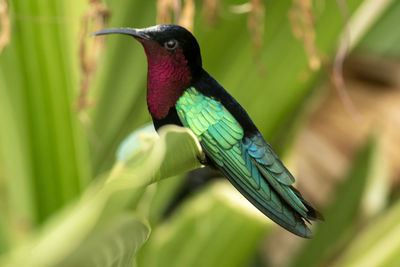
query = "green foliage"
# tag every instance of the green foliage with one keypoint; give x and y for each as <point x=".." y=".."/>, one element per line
<point x="115" y="244"/>
<point x="66" y="200"/>
<point x="94" y="218"/>
<point x="378" y="244"/>
<point x="40" y="130"/>
<point x="223" y="227"/>
<point x="378" y="40"/>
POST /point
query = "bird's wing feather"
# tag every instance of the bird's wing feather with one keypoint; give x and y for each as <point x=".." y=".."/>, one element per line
<point x="273" y="170"/>
<point x="248" y="162"/>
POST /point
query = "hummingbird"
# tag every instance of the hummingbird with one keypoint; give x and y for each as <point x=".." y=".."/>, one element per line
<point x="181" y="92"/>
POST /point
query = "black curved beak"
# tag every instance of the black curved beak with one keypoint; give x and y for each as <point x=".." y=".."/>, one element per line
<point x="137" y="33"/>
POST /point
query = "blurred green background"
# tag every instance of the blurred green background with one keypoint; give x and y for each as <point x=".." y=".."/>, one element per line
<point x="321" y="79"/>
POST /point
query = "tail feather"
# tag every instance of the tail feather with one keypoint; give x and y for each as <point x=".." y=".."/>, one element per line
<point x="297" y="227"/>
<point x="312" y="213"/>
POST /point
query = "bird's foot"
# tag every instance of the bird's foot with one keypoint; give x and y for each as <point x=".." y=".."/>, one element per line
<point x="203" y="160"/>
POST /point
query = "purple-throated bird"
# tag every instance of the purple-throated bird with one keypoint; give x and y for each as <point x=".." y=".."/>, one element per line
<point x="181" y="92"/>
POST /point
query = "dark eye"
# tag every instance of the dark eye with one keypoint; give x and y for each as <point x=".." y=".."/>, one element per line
<point x="171" y="44"/>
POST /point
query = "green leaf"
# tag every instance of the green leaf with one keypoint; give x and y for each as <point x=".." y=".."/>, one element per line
<point x="175" y="151"/>
<point x="372" y="42"/>
<point x="46" y="147"/>
<point x="113" y="244"/>
<point x="162" y="197"/>
<point x="216" y="227"/>
<point x="378" y="244"/>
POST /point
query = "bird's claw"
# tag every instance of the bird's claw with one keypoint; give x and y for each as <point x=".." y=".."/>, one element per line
<point x="203" y="160"/>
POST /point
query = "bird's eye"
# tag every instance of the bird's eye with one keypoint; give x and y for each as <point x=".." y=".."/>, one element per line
<point x="171" y="44"/>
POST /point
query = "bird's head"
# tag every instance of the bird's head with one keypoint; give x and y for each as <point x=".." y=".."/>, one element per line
<point x="174" y="62"/>
<point x="168" y="47"/>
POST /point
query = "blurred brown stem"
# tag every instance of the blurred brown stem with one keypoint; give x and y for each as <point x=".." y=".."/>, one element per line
<point x="302" y="22"/>
<point x="337" y="71"/>
<point x="5" y="25"/>
<point x="95" y="17"/>
<point x="182" y="14"/>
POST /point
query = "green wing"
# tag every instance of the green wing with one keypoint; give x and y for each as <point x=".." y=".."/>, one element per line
<point x="248" y="162"/>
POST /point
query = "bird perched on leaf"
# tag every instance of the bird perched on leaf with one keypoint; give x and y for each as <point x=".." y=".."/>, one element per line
<point x="181" y="92"/>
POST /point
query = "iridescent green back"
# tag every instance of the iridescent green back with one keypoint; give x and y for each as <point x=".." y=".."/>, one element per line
<point x="248" y="162"/>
